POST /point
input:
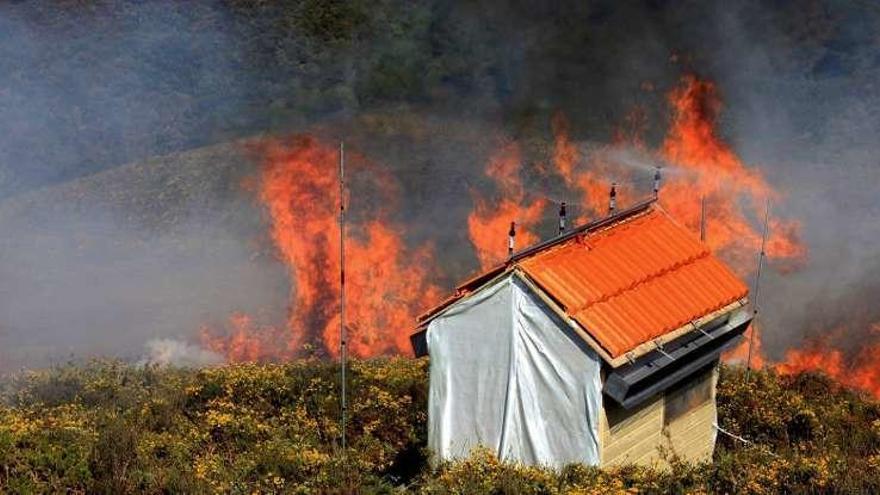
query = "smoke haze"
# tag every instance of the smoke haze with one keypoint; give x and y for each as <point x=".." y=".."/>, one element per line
<point x="106" y="247"/>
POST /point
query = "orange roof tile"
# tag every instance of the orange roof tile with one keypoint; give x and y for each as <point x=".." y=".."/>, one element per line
<point x="626" y="279"/>
<point x="634" y="280"/>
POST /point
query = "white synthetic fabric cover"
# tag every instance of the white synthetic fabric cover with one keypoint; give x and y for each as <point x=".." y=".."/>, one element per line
<point x="508" y="374"/>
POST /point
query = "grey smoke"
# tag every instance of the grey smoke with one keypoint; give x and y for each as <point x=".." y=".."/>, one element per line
<point x="113" y="249"/>
<point x="176" y="353"/>
<point x="104" y="264"/>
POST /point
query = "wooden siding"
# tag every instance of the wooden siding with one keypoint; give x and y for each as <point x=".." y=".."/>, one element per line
<point x="691" y="435"/>
<point x="631" y="436"/>
<point x="639" y="436"/>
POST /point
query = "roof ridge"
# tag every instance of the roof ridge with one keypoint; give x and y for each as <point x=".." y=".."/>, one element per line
<point x="582" y="231"/>
<point x="600" y="225"/>
<point x="583" y="237"/>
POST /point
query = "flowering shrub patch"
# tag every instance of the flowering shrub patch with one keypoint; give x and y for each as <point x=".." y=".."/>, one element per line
<point x="109" y="427"/>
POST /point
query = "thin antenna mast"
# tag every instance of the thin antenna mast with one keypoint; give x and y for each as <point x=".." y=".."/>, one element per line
<point x="612" y="198"/>
<point x="656" y="182"/>
<point x="562" y="218"/>
<point x="511" y="238"/>
<point x="761" y="257"/>
<point x="342" y="332"/>
<point x="703" y="218"/>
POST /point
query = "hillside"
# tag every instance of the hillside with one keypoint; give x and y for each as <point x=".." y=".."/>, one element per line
<point x="162" y="246"/>
<point x="155" y="247"/>
<point x="107" y="427"/>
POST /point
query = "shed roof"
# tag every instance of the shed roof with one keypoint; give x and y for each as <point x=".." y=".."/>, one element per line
<point x="627" y="279"/>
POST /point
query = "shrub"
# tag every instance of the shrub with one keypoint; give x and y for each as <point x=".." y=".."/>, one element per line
<point x="109" y="427"/>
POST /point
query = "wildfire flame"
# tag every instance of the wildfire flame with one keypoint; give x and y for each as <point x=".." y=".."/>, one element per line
<point x="715" y="173"/>
<point x="860" y="371"/>
<point x="702" y="171"/>
<point x="387" y="284"/>
<point x="244" y="341"/>
<point x="591" y="184"/>
<point x="702" y="165"/>
<point x="489" y="222"/>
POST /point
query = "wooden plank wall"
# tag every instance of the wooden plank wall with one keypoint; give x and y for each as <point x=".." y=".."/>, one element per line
<point x="631" y="436"/>
<point x="691" y="436"/>
<point x="639" y="436"/>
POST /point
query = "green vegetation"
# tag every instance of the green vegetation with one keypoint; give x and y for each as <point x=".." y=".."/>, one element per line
<point x="108" y="427"/>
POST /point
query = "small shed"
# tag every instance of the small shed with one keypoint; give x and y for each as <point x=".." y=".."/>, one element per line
<point x="599" y="346"/>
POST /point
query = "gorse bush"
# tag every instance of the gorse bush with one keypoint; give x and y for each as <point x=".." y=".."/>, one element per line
<point x="109" y="427"/>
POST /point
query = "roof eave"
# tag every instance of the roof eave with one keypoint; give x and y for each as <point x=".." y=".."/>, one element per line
<point x="659" y="342"/>
<point x="641" y="349"/>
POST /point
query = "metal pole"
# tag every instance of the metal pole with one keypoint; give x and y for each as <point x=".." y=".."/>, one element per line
<point x="562" y="215"/>
<point x="342" y="332"/>
<point x="612" y="198"/>
<point x="656" y="182"/>
<point x="511" y="238"/>
<point x="761" y="256"/>
<point x="703" y="218"/>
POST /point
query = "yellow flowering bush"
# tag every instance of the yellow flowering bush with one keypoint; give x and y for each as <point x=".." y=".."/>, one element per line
<point x="111" y="427"/>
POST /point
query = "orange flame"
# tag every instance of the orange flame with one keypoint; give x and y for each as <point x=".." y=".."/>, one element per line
<point x="244" y="341"/>
<point x="740" y="354"/>
<point x="593" y="189"/>
<point x="861" y="371"/>
<point x="699" y="164"/>
<point x="715" y="172"/>
<point x="489" y="222"/>
<point x="386" y="283"/>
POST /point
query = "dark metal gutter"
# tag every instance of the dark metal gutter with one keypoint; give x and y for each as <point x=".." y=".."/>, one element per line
<point x="653" y="373"/>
